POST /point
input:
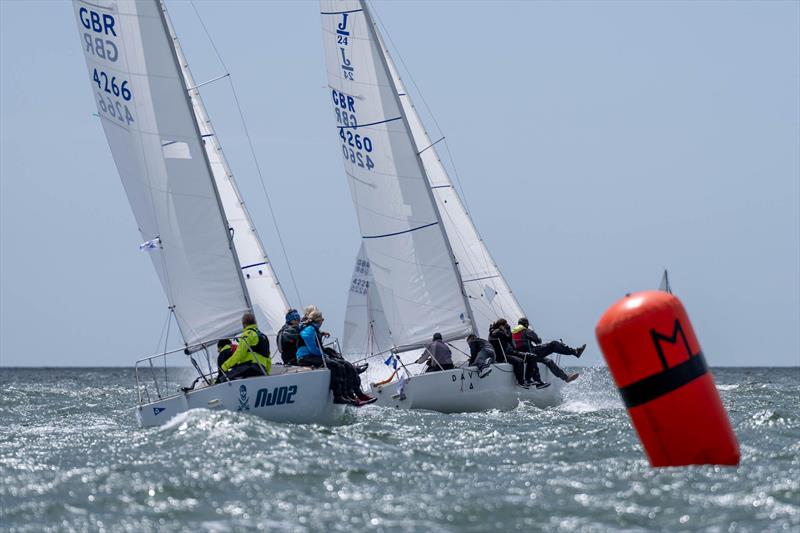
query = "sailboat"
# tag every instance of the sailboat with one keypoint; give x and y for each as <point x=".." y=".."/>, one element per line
<point x="422" y="267"/>
<point x="665" y="285"/>
<point x="196" y="229"/>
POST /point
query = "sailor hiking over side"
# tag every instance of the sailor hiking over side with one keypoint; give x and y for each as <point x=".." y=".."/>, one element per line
<point x="345" y="383"/>
<point x="526" y="339"/>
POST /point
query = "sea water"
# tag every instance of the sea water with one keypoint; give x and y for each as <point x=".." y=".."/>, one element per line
<point x="72" y="457"/>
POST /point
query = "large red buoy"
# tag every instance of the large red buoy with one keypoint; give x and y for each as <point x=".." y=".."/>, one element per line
<point x="657" y="364"/>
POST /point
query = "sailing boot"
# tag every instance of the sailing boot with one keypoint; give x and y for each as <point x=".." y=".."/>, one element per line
<point x="363" y="368"/>
<point x="579" y="351"/>
<point x="572" y="377"/>
<point x="485" y="371"/>
<point x="365" y="398"/>
<point x="541" y="385"/>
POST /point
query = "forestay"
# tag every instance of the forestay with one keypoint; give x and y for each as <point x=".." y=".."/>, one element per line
<point x="268" y="299"/>
<point x="148" y="120"/>
<point x="412" y="266"/>
<point x="488" y="293"/>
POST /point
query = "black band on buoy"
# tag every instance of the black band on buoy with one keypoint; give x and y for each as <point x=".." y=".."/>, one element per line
<point x="658" y="385"/>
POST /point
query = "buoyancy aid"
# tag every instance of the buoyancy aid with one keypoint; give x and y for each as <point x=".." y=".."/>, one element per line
<point x="518" y="335"/>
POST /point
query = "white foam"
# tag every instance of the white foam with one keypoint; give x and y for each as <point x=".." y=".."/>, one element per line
<point x="577" y="406"/>
<point x="176" y="420"/>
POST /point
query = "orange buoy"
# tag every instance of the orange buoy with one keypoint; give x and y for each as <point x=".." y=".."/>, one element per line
<point x="662" y="376"/>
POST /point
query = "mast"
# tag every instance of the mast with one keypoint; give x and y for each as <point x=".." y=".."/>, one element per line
<point x="415" y="276"/>
<point x="172" y="40"/>
<point x="382" y="49"/>
<point x="263" y="287"/>
<point x="455" y="209"/>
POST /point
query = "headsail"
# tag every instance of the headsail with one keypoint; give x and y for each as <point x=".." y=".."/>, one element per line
<point x="268" y="299"/>
<point x="151" y="129"/>
<point x="489" y="295"/>
<point x="365" y="327"/>
<point x="487" y="291"/>
<point x="412" y="264"/>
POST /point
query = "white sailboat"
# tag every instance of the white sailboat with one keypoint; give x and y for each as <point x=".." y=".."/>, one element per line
<point x="203" y="245"/>
<point x="422" y="267"/>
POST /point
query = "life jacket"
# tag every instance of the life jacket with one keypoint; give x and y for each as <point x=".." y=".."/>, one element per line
<point x="519" y="340"/>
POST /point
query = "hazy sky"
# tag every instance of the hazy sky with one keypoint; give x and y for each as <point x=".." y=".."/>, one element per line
<point x="597" y="143"/>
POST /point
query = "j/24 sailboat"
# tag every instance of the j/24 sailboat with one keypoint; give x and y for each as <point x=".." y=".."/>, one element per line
<point x="422" y="268"/>
<point x="203" y="245"/>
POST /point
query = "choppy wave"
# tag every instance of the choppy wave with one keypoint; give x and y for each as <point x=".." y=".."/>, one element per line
<point x="72" y="457"/>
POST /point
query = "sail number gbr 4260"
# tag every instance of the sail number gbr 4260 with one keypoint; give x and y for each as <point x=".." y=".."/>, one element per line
<point x="356" y="148"/>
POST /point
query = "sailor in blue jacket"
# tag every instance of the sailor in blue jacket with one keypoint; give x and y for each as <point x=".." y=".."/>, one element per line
<point x="310" y="353"/>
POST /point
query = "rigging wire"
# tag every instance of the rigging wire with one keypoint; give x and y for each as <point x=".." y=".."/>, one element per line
<point x="252" y="151"/>
<point x="161" y="335"/>
<point x="425" y="103"/>
<point x="489" y="263"/>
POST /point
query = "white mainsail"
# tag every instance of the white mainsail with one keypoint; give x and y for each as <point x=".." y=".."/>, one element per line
<point x="267" y="296"/>
<point x="412" y="264"/>
<point x="153" y="134"/>
<point x="489" y="296"/>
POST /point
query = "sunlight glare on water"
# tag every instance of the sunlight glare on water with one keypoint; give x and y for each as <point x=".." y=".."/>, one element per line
<point x="73" y="457"/>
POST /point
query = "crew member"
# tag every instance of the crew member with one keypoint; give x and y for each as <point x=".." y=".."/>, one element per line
<point x="345" y="384"/>
<point x="289" y="337"/>
<point x="224" y="351"/>
<point x="437" y="354"/>
<point x="525" y="369"/>
<point x="526" y="339"/>
<point x="251" y="357"/>
<point x="481" y="354"/>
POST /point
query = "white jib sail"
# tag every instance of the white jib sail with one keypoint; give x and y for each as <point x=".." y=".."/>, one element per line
<point x="268" y="299"/>
<point x="151" y="129"/>
<point x="487" y="291"/>
<point x="365" y="329"/>
<point x="412" y="266"/>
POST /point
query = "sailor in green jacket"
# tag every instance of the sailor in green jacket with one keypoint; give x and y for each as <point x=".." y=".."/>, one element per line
<point x="252" y="357"/>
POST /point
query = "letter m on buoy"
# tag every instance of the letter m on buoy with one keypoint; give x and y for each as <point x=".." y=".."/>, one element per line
<point x="680" y="366"/>
<point x="658" y="338"/>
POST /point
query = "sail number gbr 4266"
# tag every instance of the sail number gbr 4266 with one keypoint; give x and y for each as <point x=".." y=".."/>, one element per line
<point x="115" y="108"/>
<point x="100" y="39"/>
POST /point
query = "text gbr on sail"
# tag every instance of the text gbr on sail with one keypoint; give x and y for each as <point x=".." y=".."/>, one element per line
<point x="104" y="25"/>
<point x="344" y="101"/>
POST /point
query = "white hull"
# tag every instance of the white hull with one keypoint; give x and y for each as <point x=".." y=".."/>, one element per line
<point x="461" y="390"/>
<point x="295" y="395"/>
